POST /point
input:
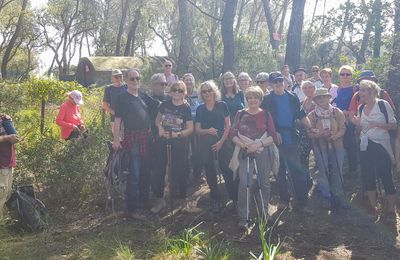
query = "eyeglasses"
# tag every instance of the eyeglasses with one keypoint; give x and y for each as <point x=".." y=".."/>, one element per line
<point x="345" y="74"/>
<point x="163" y="84"/>
<point x="177" y="90"/>
<point x="204" y="91"/>
<point x="167" y="65"/>
<point x="261" y="81"/>
<point x="315" y="71"/>
<point x="134" y="78"/>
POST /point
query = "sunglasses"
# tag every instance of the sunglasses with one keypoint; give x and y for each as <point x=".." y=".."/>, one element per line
<point x="177" y="90"/>
<point x="345" y="74"/>
<point x="134" y="78"/>
<point x="168" y="65"/>
<point x="207" y="91"/>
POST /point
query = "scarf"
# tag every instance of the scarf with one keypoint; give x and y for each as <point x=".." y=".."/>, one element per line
<point x="325" y="115"/>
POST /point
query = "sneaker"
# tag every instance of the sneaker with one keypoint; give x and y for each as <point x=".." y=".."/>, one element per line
<point x="243" y="225"/>
<point x="160" y="204"/>
<point x="282" y="205"/>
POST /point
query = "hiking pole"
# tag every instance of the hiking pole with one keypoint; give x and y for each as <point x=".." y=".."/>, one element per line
<point x="248" y="191"/>
<point x="169" y="176"/>
<point x="259" y="187"/>
<point x="338" y="165"/>
<point x="218" y="171"/>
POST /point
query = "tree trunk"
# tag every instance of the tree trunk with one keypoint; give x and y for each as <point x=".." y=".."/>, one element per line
<point x="186" y="37"/>
<point x="10" y="46"/>
<point x="130" y="41"/>
<point x="343" y="28"/>
<point x="240" y="16"/>
<point x="125" y="8"/>
<point x="377" y="13"/>
<point x="253" y="17"/>
<point x="293" y="46"/>
<point x="283" y="17"/>
<point x="365" y="40"/>
<point x="394" y="72"/>
<point x="227" y="35"/>
<point x="270" y="24"/>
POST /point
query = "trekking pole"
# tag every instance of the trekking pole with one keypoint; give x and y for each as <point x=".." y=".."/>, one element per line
<point x="169" y="176"/>
<point x="338" y="166"/>
<point x="218" y="171"/>
<point x="259" y="187"/>
<point x="248" y="191"/>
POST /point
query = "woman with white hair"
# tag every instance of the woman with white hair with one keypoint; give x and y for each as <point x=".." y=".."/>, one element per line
<point x="376" y="119"/>
<point x="244" y="81"/>
<point x="212" y="127"/>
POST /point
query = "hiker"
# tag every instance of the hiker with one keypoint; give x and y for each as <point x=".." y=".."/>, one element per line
<point x="111" y="92"/>
<point x="69" y="117"/>
<point x="231" y="94"/>
<point x="194" y="101"/>
<point x="244" y="81"/>
<point x="376" y="119"/>
<point x="285" y="110"/>
<point x="170" y="77"/>
<point x="355" y="100"/>
<point x="326" y="77"/>
<point x="133" y="110"/>
<point x="305" y="144"/>
<point x="316" y="78"/>
<point x="344" y="95"/>
<point x="300" y="75"/>
<point x="158" y="83"/>
<point x="8" y="137"/>
<point x="288" y="79"/>
<point x="262" y="82"/>
<point x="175" y="125"/>
<point x="252" y="131"/>
<point x="328" y="128"/>
<point x="213" y="152"/>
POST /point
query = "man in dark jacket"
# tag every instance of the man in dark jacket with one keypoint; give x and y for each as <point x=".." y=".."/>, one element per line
<point x="286" y="110"/>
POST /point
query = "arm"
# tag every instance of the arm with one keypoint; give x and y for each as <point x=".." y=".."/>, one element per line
<point x="188" y="130"/>
<point x="117" y="129"/>
<point x="60" y="118"/>
<point x="106" y="106"/>
<point x="218" y="145"/>
<point x="353" y="105"/>
<point x="341" y="126"/>
<point x="13" y="139"/>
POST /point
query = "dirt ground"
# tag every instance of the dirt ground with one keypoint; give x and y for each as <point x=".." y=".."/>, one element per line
<point x="88" y="232"/>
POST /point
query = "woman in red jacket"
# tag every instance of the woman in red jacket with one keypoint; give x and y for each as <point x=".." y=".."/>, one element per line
<point x="69" y="118"/>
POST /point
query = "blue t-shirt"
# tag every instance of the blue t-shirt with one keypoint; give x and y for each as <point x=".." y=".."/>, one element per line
<point x="284" y="118"/>
<point x="234" y="104"/>
<point x="343" y="98"/>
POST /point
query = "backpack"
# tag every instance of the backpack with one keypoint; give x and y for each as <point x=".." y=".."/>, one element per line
<point x="30" y="212"/>
<point x="382" y="108"/>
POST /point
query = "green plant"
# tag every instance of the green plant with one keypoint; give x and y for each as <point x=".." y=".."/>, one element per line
<point x="124" y="253"/>
<point x="214" y="250"/>
<point x="186" y="241"/>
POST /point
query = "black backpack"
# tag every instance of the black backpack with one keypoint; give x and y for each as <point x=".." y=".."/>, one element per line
<point x="30" y="212"/>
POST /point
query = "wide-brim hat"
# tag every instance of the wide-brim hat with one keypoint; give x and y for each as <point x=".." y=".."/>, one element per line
<point x="322" y="92"/>
<point x="116" y="72"/>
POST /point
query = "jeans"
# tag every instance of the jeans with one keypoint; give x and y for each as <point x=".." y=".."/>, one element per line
<point x="329" y="179"/>
<point x="350" y="144"/>
<point x="133" y="181"/>
<point x="289" y="159"/>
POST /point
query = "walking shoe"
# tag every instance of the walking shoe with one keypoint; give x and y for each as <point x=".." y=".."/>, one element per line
<point x="160" y="204"/>
<point x="243" y="225"/>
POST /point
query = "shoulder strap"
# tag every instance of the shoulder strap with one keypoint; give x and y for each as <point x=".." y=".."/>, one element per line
<point x="381" y="94"/>
<point x="360" y="109"/>
<point x="382" y="107"/>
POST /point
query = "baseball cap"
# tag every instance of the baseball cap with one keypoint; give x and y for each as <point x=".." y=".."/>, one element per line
<point x="76" y="95"/>
<point x="367" y="74"/>
<point x="275" y="77"/>
<point x="116" y="72"/>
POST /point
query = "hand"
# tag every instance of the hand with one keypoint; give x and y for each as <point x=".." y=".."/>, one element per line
<point x="161" y="132"/>
<point x="268" y="141"/>
<point x="279" y="138"/>
<point x="217" y="146"/>
<point x="13" y="138"/>
<point x="356" y="120"/>
<point x="243" y="145"/>
<point x="254" y="147"/>
<point x="82" y="127"/>
<point x="212" y="131"/>
<point x="76" y="128"/>
<point x="116" y="145"/>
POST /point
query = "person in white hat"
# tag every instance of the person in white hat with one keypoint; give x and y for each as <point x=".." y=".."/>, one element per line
<point x="69" y="117"/>
<point x="111" y="92"/>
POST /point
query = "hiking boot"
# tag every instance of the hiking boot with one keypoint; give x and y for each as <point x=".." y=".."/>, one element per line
<point x="137" y="216"/>
<point x="243" y="225"/>
<point x="282" y="205"/>
<point x="215" y="206"/>
<point x="160" y="204"/>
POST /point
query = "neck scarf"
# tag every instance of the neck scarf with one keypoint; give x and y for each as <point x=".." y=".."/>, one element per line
<point x="325" y="115"/>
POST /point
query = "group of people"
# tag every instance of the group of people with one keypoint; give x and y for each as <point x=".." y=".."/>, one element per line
<point x="247" y="131"/>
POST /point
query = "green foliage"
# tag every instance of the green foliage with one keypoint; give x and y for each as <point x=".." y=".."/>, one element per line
<point x="124" y="253"/>
<point x="185" y="243"/>
<point x="214" y="250"/>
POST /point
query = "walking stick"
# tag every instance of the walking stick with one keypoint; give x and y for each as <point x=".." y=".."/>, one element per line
<point x="169" y="176"/>
<point x="332" y="145"/>
<point x="259" y="187"/>
<point x="248" y="191"/>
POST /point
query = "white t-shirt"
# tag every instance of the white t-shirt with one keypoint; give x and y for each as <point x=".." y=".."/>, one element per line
<point x="377" y="134"/>
<point x="333" y="91"/>
<point x="299" y="92"/>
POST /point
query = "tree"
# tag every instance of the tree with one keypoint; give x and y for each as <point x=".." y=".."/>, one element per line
<point x="11" y="44"/>
<point x="377" y="14"/>
<point x="124" y="9"/>
<point x="293" y="46"/>
<point x="131" y="38"/>
<point x="270" y="24"/>
<point x="227" y="35"/>
<point x="394" y="72"/>
<point x="185" y="37"/>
